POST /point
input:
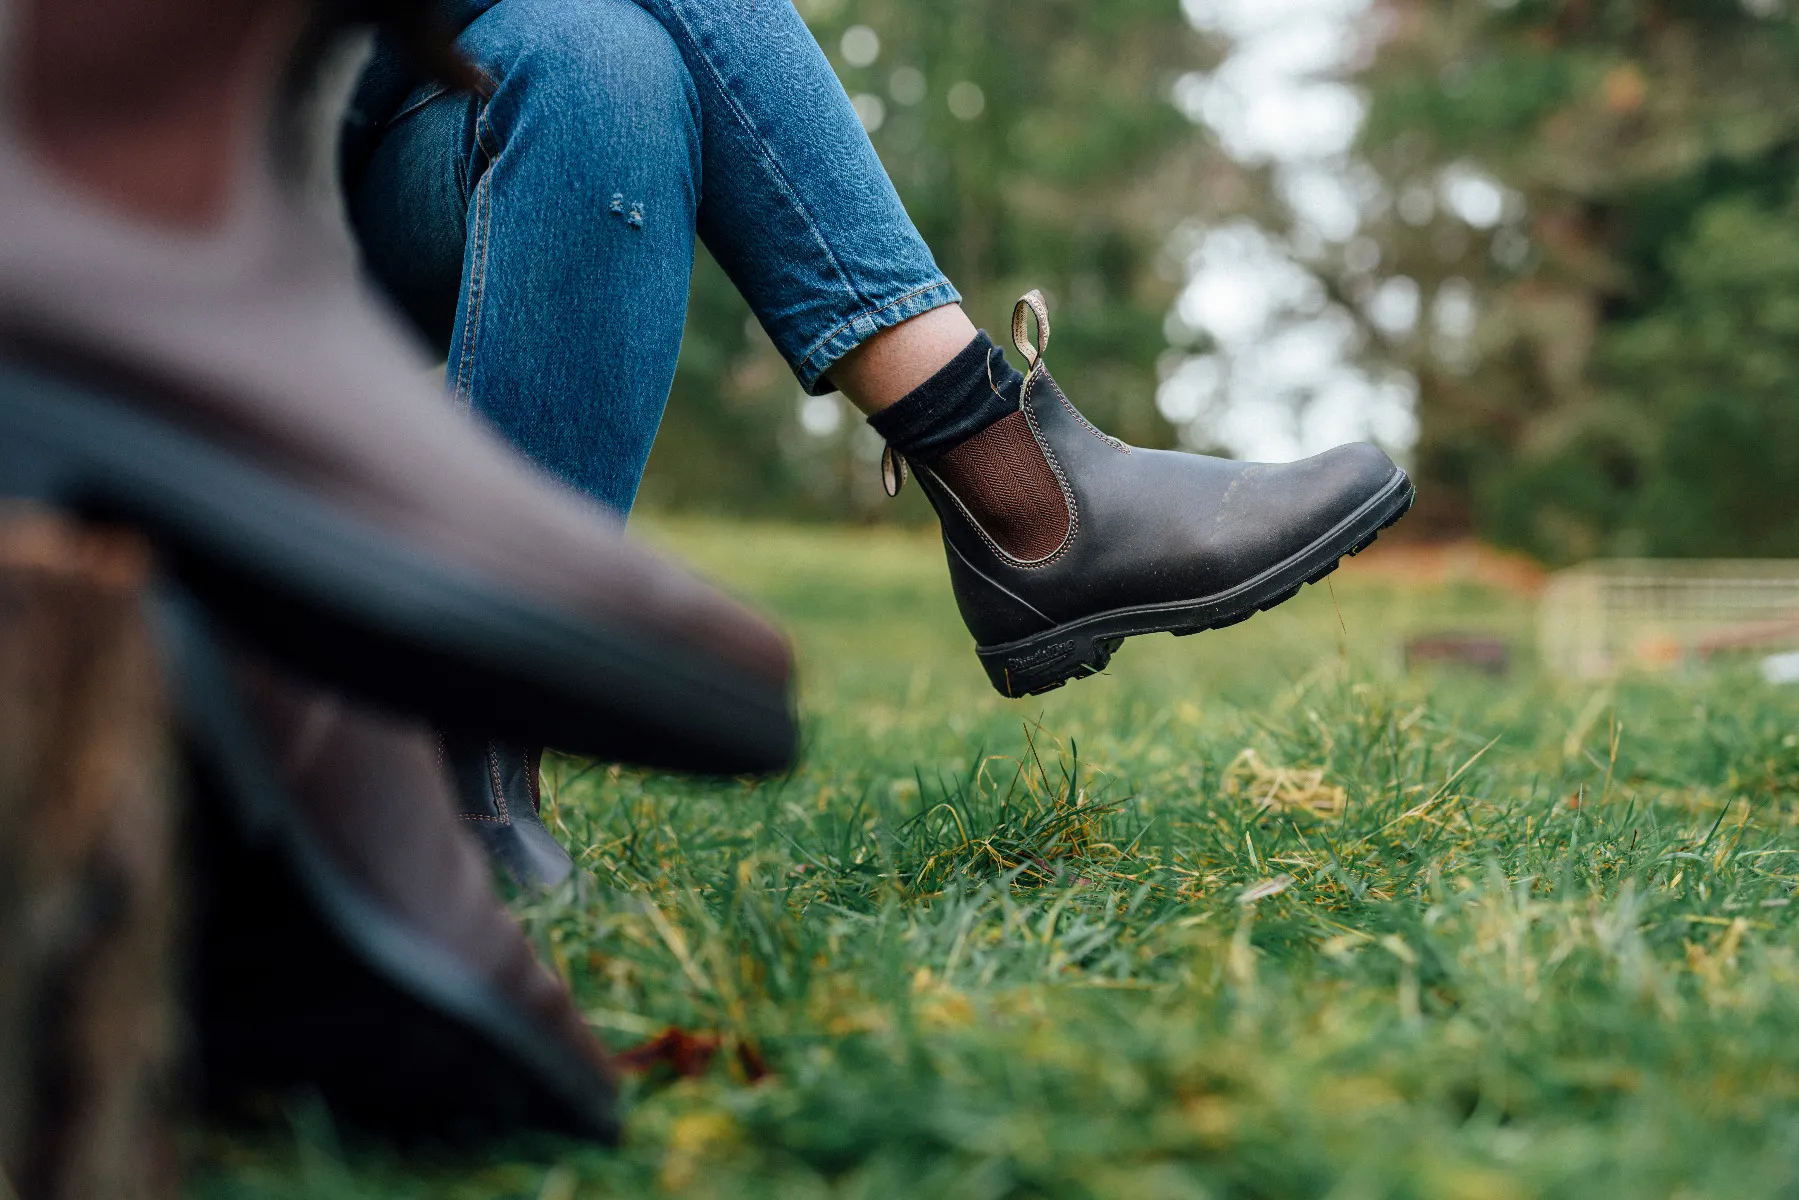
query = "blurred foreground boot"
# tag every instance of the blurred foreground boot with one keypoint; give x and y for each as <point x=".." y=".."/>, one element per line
<point x="223" y="384"/>
<point x="347" y="938"/>
<point x="1063" y="542"/>
<point x="235" y="392"/>
<point x="499" y="799"/>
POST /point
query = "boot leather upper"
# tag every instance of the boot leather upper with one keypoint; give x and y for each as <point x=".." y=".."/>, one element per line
<point x="498" y="800"/>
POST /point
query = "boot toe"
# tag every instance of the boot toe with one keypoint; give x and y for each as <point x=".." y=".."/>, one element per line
<point x="1303" y="501"/>
<point x="1361" y="467"/>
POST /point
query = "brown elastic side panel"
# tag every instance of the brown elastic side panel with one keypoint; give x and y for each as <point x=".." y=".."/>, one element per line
<point x="1002" y="476"/>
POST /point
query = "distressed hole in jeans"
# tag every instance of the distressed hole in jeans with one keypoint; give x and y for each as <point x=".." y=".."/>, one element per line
<point x="635" y="219"/>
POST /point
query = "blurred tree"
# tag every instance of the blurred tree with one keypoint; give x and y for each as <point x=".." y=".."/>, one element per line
<point x="1595" y="205"/>
<point x="1035" y="145"/>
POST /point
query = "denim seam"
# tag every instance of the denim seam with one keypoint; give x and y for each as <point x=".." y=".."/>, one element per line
<point x="465" y="163"/>
<point x="434" y="91"/>
<point x="471" y="320"/>
<point x="471" y="312"/>
<point x="764" y="150"/>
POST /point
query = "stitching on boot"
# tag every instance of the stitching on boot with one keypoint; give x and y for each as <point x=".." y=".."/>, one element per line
<point x="534" y="780"/>
<point x="1048" y="620"/>
<point x="974" y="523"/>
<point x="499" y="788"/>
<point x="1076" y="413"/>
<point x="1038" y="370"/>
<point x="443" y="761"/>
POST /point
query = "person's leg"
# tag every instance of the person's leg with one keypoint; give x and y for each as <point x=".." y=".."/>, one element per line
<point x="799" y="211"/>
<point x="900" y="358"/>
<point x="544" y="235"/>
<point x="543" y="308"/>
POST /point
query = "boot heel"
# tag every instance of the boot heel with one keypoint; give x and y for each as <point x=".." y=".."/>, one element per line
<point x="1046" y="662"/>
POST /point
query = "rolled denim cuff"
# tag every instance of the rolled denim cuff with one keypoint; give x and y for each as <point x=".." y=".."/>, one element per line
<point x="824" y="353"/>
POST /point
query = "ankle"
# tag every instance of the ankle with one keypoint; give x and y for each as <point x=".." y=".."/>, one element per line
<point x="965" y="426"/>
<point x="896" y="361"/>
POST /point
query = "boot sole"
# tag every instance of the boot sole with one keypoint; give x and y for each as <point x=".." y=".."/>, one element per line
<point x="1045" y="661"/>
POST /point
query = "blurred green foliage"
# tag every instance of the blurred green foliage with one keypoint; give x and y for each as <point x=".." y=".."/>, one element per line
<point x="1065" y="174"/>
<point x="1630" y="386"/>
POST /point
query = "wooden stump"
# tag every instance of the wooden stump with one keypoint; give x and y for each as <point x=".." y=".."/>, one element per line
<point x="87" y="905"/>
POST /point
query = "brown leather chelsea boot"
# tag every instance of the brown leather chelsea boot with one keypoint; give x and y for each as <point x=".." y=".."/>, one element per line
<point x="1063" y="542"/>
<point x="203" y="365"/>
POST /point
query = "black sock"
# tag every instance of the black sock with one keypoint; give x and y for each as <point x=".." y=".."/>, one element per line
<point x="971" y="392"/>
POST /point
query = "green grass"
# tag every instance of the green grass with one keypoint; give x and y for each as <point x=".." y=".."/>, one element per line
<point x="1253" y="915"/>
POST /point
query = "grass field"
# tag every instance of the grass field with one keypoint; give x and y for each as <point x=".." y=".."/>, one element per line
<point x="1253" y="915"/>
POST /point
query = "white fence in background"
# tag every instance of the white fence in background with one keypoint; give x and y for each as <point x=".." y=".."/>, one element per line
<point x="1604" y="617"/>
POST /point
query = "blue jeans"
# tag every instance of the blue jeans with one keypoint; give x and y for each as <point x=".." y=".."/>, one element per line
<point x="544" y="235"/>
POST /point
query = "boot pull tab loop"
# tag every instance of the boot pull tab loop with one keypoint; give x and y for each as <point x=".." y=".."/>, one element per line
<point x="893" y="471"/>
<point x="1033" y="301"/>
